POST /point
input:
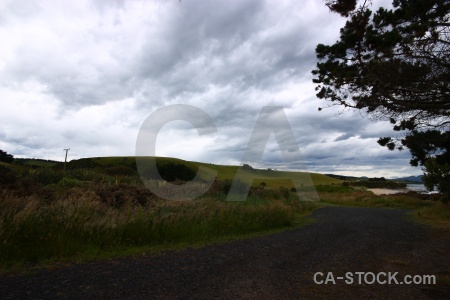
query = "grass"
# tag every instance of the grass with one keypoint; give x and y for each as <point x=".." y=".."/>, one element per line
<point x="37" y="162"/>
<point x="430" y="212"/>
<point x="101" y="220"/>
<point x="366" y="199"/>
<point x="436" y="215"/>
<point x="351" y="196"/>
<point x="272" y="178"/>
<point x="95" y="211"/>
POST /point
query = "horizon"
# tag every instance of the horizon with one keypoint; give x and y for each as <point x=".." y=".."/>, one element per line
<point x="257" y="168"/>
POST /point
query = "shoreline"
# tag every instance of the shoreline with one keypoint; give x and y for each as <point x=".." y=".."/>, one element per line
<point x="383" y="191"/>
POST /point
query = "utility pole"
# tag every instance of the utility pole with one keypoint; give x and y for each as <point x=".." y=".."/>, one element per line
<point x="65" y="160"/>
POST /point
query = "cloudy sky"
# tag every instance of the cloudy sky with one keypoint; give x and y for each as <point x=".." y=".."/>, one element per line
<point x="85" y="75"/>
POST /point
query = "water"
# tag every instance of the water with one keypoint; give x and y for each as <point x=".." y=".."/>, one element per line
<point x="418" y="187"/>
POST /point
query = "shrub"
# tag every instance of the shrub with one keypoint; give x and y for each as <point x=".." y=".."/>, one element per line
<point x="47" y="176"/>
<point x="70" y="182"/>
<point x="84" y="163"/>
<point x="377" y="184"/>
<point x="117" y="195"/>
<point x="7" y="175"/>
<point x="176" y="171"/>
<point x="5" y="157"/>
<point x="85" y="175"/>
<point x="120" y="171"/>
<point x="240" y="185"/>
<point x="334" y="189"/>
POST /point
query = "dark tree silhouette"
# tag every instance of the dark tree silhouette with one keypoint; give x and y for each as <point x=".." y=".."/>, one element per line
<point x="5" y="157"/>
<point x="395" y="65"/>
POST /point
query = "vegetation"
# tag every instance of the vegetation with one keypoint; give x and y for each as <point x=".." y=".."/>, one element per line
<point x="367" y="199"/>
<point x="176" y="171"/>
<point x="374" y="184"/>
<point x="438" y="175"/>
<point x="83" y="221"/>
<point x="36" y="162"/>
<point x="427" y="208"/>
<point x="90" y="212"/>
<point x="5" y="157"/>
<point x="99" y="207"/>
<point x="437" y="215"/>
<point x="395" y="65"/>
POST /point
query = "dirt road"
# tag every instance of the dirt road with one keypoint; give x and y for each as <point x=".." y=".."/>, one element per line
<point x="278" y="266"/>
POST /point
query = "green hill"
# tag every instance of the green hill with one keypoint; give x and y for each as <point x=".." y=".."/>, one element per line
<point x="271" y="178"/>
<point x="36" y="162"/>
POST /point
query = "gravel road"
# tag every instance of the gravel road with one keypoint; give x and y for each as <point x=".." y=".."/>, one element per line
<point x="277" y="266"/>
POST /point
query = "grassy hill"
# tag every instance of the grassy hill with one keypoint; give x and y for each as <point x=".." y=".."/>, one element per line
<point x="271" y="178"/>
<point x="36" y="162"/>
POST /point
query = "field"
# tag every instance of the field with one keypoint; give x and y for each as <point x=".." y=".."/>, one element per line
<point x="99" y="207"/>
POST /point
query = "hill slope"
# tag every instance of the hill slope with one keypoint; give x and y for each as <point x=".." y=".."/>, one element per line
<point x="270" y="177"/>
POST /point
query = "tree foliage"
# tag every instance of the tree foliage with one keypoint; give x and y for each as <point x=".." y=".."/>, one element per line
<point x="5" y="157"/>
<point x="176" y="171"/>
<point x="394" y="65"/>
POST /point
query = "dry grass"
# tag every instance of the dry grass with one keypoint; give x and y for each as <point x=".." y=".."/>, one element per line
<point x="437" y="215"/>
<point x="81" y="222"/>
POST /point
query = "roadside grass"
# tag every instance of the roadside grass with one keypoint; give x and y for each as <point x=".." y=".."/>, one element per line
<point x="99" y="208"/>
<point x="338" y="195"/>
<point x="95" y="254"/>
<point x="94" y="221"/>
<point x="430" y="212"/>
<point x="436" y="215"/>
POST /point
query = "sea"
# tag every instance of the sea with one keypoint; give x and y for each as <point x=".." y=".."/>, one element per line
<point x="419" y="187"/>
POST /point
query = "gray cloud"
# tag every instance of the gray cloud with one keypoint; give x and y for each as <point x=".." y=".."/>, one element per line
<point x="85" y="75"/>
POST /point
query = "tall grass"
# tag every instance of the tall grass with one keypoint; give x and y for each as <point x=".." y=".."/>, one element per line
<point x="84" y="221"/>
<point x="437" y="215"/>
<point x="47" y="214"/>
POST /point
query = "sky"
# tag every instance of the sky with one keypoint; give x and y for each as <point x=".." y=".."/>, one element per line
<point x="85" y="75"/>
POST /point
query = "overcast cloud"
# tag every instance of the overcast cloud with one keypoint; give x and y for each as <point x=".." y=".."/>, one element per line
<point x="86" y="74"/>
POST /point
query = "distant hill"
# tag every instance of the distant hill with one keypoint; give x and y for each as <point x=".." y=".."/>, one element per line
<point x="417" y="179"/>
<point x="342" y="177"/>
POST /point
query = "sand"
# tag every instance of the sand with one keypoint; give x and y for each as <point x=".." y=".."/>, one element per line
<point x="387" y="191"/>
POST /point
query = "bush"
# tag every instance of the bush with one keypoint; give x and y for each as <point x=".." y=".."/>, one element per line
<point x="175" y="171"/>
<point x="377" y="184"/>
<point x="5" y="157"/>
<point x="7" y="175"/>
<point x="120" y="171"/>
<point x="70" y="182"/>
<point x="85" y="175"/>
<point x="84" y="163"/>
<point x="47" y="176"/>
<point x="118" y="195"/>
<point x="334" y="189"/>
